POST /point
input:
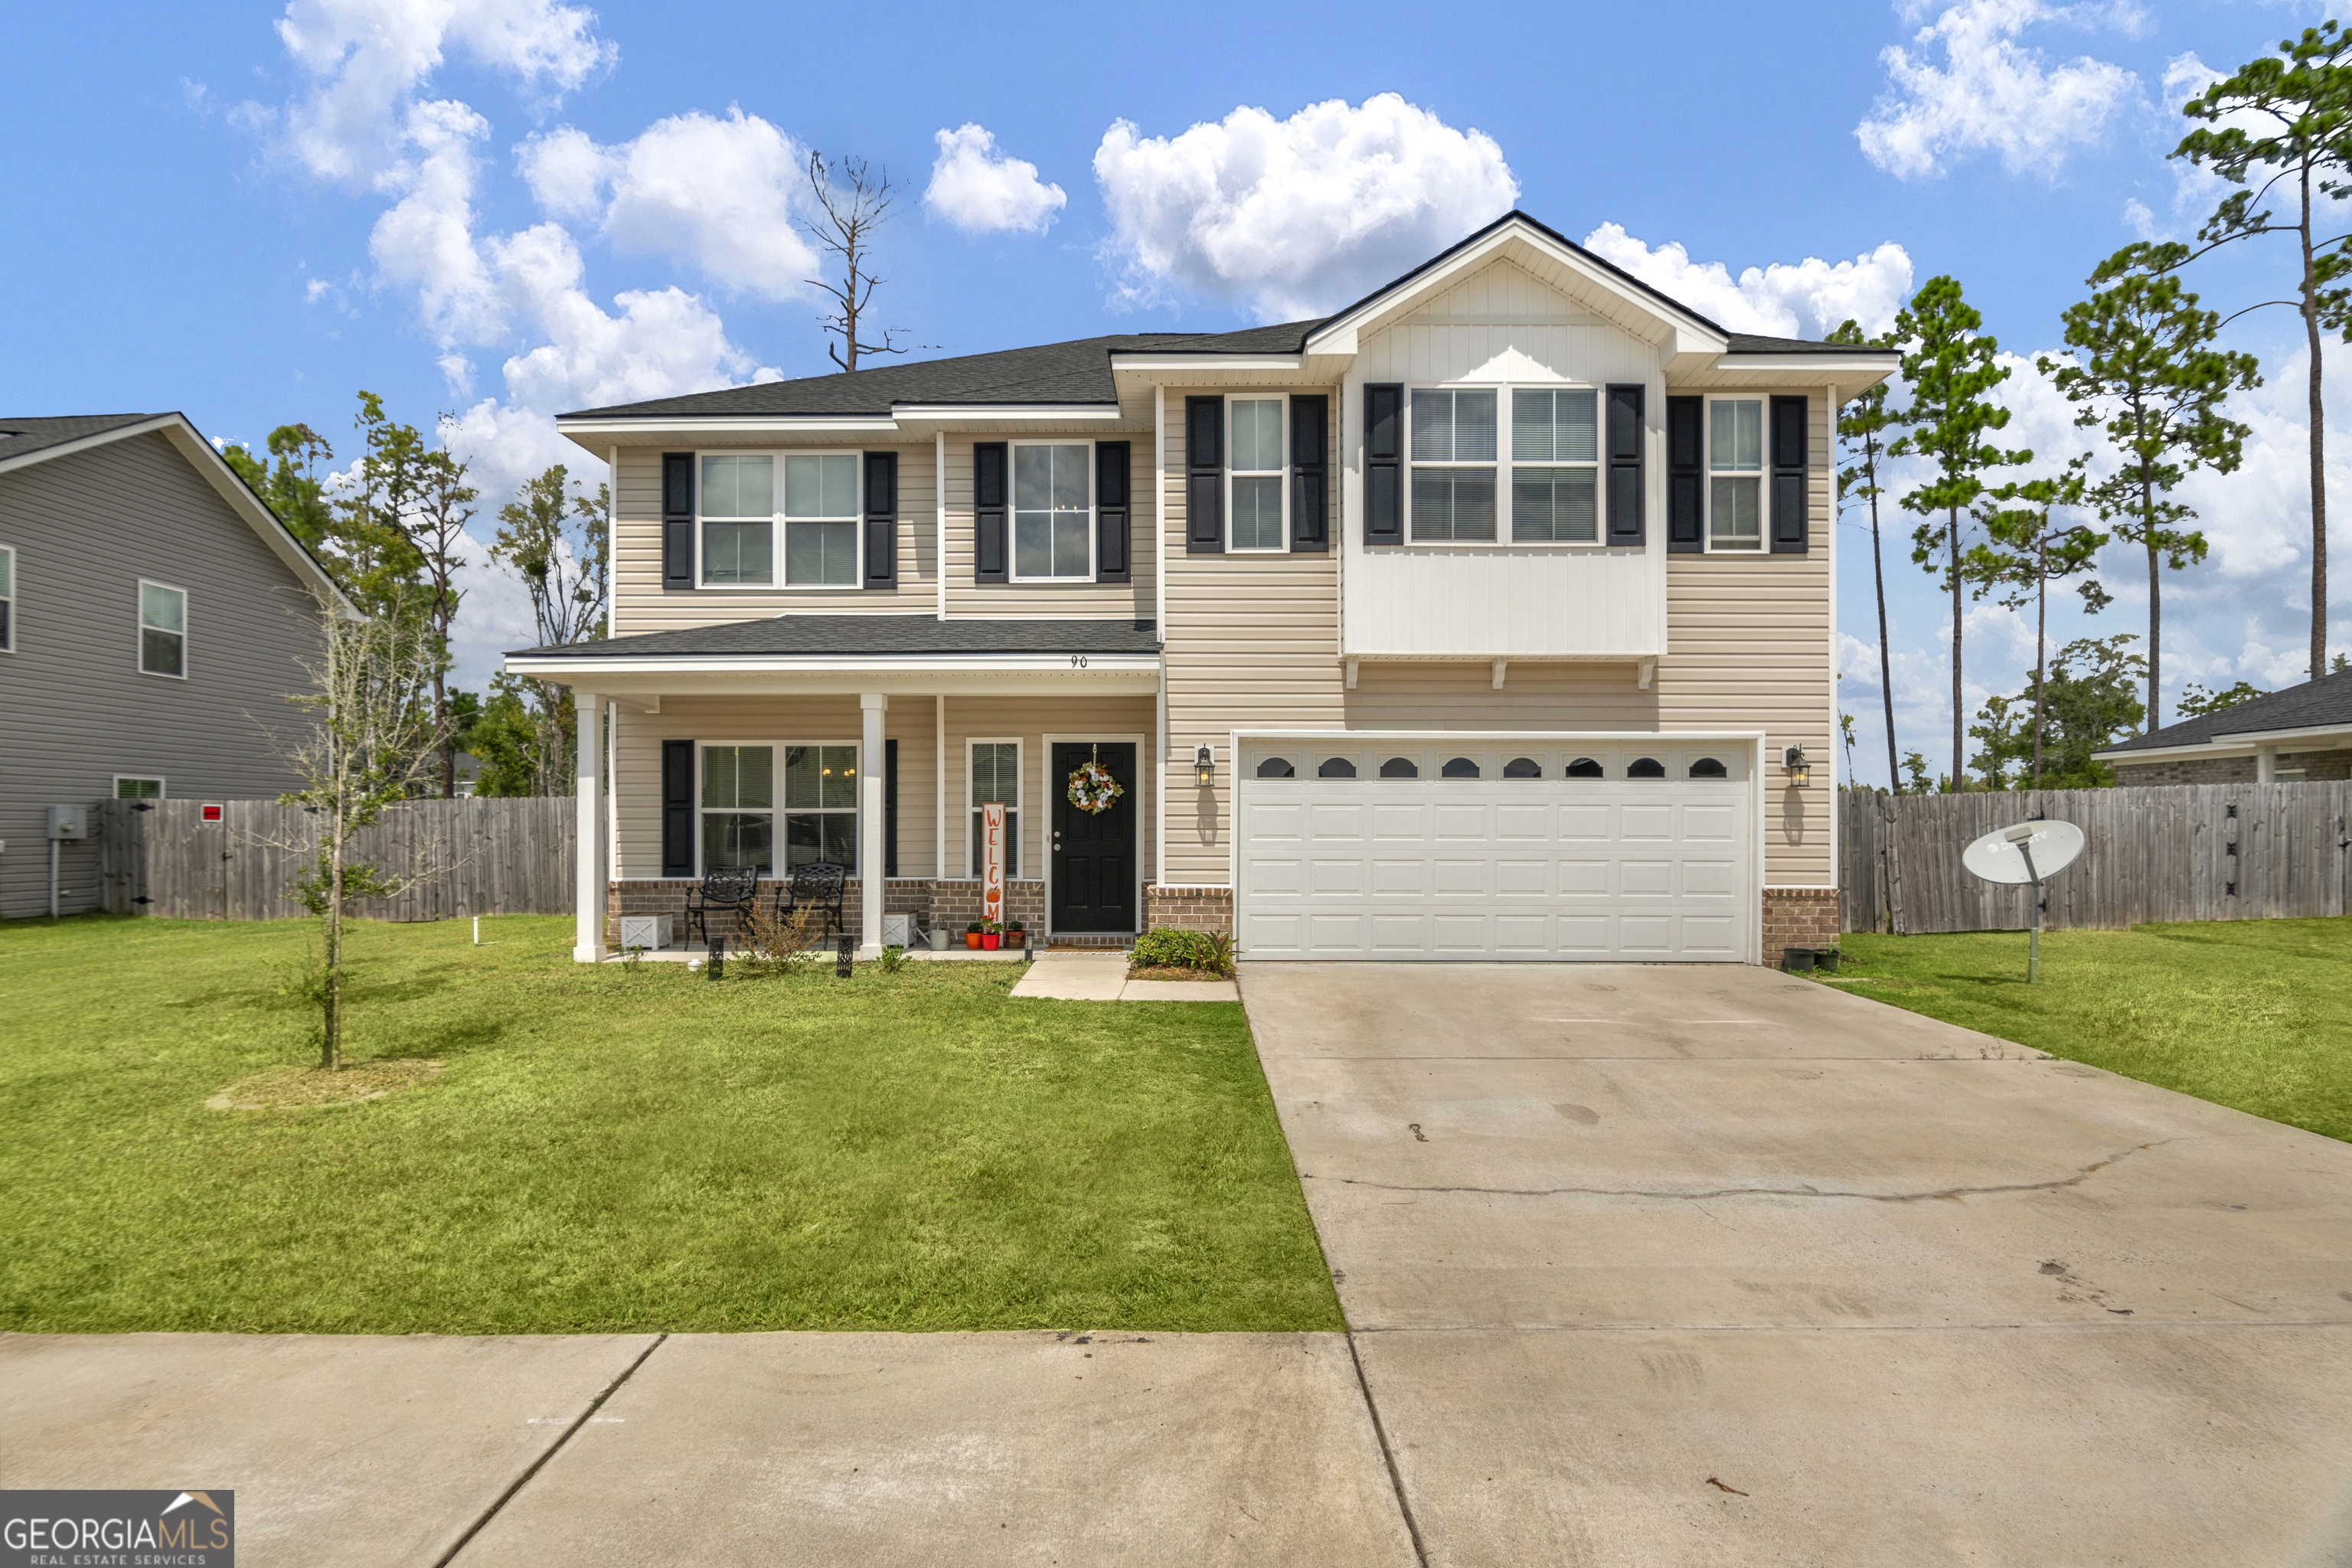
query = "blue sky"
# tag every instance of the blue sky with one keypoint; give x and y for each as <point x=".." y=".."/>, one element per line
<point x="516" y="207"/>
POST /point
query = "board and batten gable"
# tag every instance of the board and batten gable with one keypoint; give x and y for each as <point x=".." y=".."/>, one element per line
<point x="76" y="709"/>
<point x="1259" y="642"/>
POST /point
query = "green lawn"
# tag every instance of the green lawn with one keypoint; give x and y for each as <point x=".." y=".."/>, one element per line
<point x="615" y="1150"/>
<point x="2251" y="1013"/>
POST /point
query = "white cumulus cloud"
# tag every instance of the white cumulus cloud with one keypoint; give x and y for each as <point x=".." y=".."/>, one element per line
<point x="366" y="59"/>
<point x="1991" y="93"/>
<point x="981" y="189"/>
<point x="1294" y="217"/>
<point x="1806" y="299"/>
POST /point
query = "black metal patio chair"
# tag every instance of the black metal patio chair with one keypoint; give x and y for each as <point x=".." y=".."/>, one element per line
<point x="724" y="888"/>
<point x="815" y="887"/>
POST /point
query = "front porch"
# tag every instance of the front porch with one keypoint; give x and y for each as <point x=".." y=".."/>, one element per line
<point x="874" y="745"/>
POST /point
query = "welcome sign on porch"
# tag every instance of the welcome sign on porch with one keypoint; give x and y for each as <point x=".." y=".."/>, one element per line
<point x="992" y="862"/>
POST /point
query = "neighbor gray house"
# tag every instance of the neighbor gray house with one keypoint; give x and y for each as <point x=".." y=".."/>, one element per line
<point x="153" y="617"/>
<point x="2304" y="733"/>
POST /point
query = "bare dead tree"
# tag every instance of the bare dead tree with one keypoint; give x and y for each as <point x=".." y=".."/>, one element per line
<point x="369" y="749"/>
<point x="852" y="210"/>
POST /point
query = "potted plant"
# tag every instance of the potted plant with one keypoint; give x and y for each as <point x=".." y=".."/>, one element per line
<point x="972" y="934"/>
<point x="1015" y="933"/>
<point x="991" y="935"/>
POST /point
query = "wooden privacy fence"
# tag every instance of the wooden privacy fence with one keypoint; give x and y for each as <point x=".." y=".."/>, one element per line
<point x="2185" y="852"/>
<point x="488" y="858"/>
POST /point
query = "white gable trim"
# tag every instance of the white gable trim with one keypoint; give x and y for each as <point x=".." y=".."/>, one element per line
<point x="190" y="442"/>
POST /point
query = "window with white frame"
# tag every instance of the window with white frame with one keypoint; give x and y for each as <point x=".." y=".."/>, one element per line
<point x="7" y="599"/>
<point x="1735" y="478"/>
<point x="1256" y="475"/>
<point x="126" y="787"/>
<point x="996" y="780"/>
<point x="1452" y="454"/>
<point x="821" y="520"/>
<point x="1053" y="510"/>
<point x="1555" y="464"/>
<point x="821" y="805"/>
<point x="739" y="521"/>
<point x="163" y="630"/>
<point x="738" y="802"/>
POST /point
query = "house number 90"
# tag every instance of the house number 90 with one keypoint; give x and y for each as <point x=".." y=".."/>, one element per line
<point x="1077" y="661"/>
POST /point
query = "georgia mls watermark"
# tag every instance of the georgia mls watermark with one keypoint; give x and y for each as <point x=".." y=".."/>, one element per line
<point x="118" y="1530"/>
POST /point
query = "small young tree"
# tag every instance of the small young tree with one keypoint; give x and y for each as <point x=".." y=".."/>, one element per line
<point x="2026" y="550"/>
<point x="848" y="211"/>
<point x="1949" y="365"/>
<point x="2300" y="101"/>
<point x="1862" y="430"/>
<point x="2147" y="372"/>
<point x="367" y="748"/>
<point x="557" y="539"/>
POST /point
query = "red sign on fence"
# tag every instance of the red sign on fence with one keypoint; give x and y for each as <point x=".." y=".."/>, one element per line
<point x="212" y="810"/>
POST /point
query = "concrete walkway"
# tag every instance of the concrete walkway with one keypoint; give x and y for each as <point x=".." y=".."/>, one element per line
<point x="1102" y="977"/>
<point x="1677" y="1265"/>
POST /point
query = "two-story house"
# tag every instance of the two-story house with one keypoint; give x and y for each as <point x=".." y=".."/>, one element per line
<point x="1488" y="618"/>
<point x="153" y="615"/>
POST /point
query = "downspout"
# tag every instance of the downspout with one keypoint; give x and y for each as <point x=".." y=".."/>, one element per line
<point x="1160" y="611"/>
<point x="940" y="519"/>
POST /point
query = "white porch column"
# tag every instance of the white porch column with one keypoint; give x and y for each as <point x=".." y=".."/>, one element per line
<point x="873" y="705"/>
<point x="2266" y="765"/>
<point x="588" y="912"/>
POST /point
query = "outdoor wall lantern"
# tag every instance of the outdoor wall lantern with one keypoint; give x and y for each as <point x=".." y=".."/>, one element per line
<point x="1204" y="767"/>
<point x="1801" y="771"/>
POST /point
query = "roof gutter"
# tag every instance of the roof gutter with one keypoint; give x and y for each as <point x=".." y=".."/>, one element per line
<point x="2234" y="744"/>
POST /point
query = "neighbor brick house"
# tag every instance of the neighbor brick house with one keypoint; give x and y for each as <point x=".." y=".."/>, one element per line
<point x="2302" y="732"/>
<point x="1488" y="618"/>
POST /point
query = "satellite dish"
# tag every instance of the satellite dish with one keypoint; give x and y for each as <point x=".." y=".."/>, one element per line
<point x="2000" y="856"/>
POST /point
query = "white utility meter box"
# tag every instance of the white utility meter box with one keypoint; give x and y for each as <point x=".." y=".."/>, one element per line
<point x="68" y="822"/>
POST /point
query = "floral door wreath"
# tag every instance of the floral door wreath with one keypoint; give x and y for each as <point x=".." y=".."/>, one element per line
<point x="1092" y="789"/>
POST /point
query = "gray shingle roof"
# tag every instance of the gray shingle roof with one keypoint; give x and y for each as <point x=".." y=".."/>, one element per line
<point x="821" y="635"/>
<point x="2327" y="700"/>
<point x="18" y="437"/>
<point x="1079" y="371"/>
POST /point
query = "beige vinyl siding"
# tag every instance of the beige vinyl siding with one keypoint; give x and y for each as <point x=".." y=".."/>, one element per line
<point x="640" y="604"/>
<point x="1253" y="643"/>
<point x="967" y="597"/>
<point x="909" y="720"/>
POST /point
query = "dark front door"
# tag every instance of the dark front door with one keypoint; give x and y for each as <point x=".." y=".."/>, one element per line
<point x="1093" y="852"/>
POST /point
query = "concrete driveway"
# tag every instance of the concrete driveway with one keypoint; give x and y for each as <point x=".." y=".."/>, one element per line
<point x="1662" y="1265"/>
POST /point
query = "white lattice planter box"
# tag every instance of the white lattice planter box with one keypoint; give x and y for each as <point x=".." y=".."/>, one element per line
<point x="652" y="932"/>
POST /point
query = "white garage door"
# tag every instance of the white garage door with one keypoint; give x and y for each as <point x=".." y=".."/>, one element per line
<point x="1405" y="848"/>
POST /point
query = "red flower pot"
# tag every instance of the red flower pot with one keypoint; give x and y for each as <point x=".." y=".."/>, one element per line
<point x="990" y="940"/>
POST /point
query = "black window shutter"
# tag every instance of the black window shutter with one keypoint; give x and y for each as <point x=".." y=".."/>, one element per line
<point x="1788" y="477"/>
<point x="889" y="808"/>
<point x="1686" y="477"/>
<point x="988" y="522"/>
<point x="1110" y="511"/>
<point x="1383" y="465"/>
<point x="881" y="519"/>
<point x="1310" y="471"/>
<point x="677" y="519"/>
<point x="678" y="808"/>
<point x="1626" y="440"/>
<point x="1204" y="476"/>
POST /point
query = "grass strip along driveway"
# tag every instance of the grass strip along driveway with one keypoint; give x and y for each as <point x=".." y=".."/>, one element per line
<point x="2256" y="1014"/>
<point x="612" y="1151"/>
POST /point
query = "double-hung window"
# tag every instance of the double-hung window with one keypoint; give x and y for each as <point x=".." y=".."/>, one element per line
<point x="1257" y="475"/>
<point x="739" y="800"/>
<point x="163" y="630"/>
<point x="1053" y="510"/>
<point x="1735" y="476"/>
<point x="996" y="779"/>
<point x="742" y="510"/>
<point x="7" y="599"/>
<point x="1452" y="450"/>
<point x="821" y="520"/>
<point x="821" y="805"/>
<point x="1555" y="459"/>
<point x="739" y="521"/>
